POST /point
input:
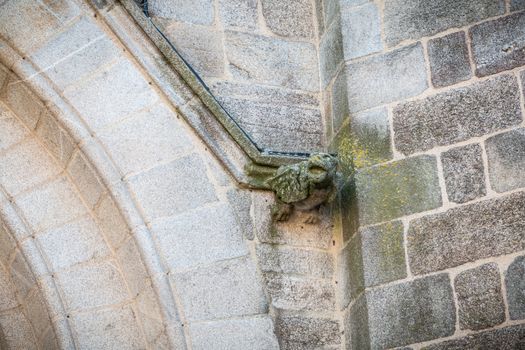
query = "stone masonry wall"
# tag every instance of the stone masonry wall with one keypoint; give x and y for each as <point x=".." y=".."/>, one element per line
<point x="433" y="223"/>
<point x="260" y="59"/>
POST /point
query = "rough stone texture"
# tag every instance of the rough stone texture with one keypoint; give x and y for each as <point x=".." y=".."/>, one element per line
<point x="480" y="301"/>
<point x="517" y="5"/>
<point x="56" y="140"/>
<point x="272" y="61"/>
<point x="386" y="78"/>
<point x="190" y="11"/>
<point x="227" y="289"/>
<point x="24" y="104"/>
<point x="515" y="283"/>
<point x="414" y="19"/>
<point x="241" y="200"/>
<point x="499" y="45"/>
<point x="174" y="188"/>
<point x="350" y="271"/>
<point x="200" y="46"/>
<point x="509" y="338"/>
<point x="181" y="237"/>
<point x="506" y="155"/>
<point x="457" y="115"/>
<point x="235" y="13"/>
<point x="356" y="325"/>
<point x="476" y="231"/>
<point x="14" y="132"/>
<point x="396" y="189"/>
<point x="300" y="332"/>
<point x="86" y="179"/>
<point x="463" y="171"/>
<point x="274" y="258"/>
<point x="370" y="136"/>
<point x="16" y="330"/>
<point x="339" y="101"/>
<point x="300" y="293"/>
<point x="255" y="333"/>
<point x="411" y="312"/>
<point x="292" y="18"/>
<point x="361" y="30"/>
<point x="449" y="59"/>
<point x="383" y="253"/>
<point x="330" y="53"/>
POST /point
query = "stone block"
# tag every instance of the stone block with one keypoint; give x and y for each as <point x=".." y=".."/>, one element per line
<point x="7" y="246"/>
<point x="181" y="237"/>
<point x="330" y="11"/>
<point x="86" y="179"/>
<point x="515" y="283"/>
<point x="468" y="233"/>
<point x="293" y="18"/>
<point x="463" y="172"/>
<point x="361" y="30"/>
<point x="111" y="222"/>
<point x="383" y="253"/>
<point x="272" y="61"/>
<point x="38" y="315"/>
<point x="17" y="331"/>
<point x="7" y="293"/>
<point x="132" y="266"/>
<point x="201" y="46"/>
<point x="498" y="45"/>
<point x="339" y="101"/>
<point x="506" y="156"/>
<point x="73" y="243"/>
<point x="51" y="205"/>
<point x="302" y="332"/>
<point x="480" y="302"/>
<point x="411" y="312"/>
<point x="282" y="259"/>
<point x="190" y="11"/>
<point x="457" y="115"/>
<point x="449" y="59"/>
<point x="173" y="188"/>
<point x="24" y="103"/>
<point x="22" y="276"/>
<point x="26" y="165"/>
<point x="226" y="289"/>
<point x="240" y="14"/>
<point x="356" y="325"/>
<point x="108" y="329"/>
<point x="351" y="3"/>
<point x="64" y="10"/>
<point x="56" y="140"/>
<point x="508" y="338"/>
<point x="12" y="130"/>
<point x="414" y="19"/>
<point x="397" y="189"/>
<point x="111" y="95"/>
<point x="254" y="333"/>
<point x="92" y="285"/>
<point x="517" y="5"/>
<point x="350" y="271"/>
<point x="330" y="53"/>
<point x="75" y="53"/>
<point x="241" y="202"/>
<point x="166" y="139"/>
<point x="300" y="293"/>
<point x="386" y="78"/>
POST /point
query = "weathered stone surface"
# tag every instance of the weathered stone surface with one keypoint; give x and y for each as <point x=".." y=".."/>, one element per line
<point x="396" y="189"/>
<point x="463" y="171"/>
<point x="350" y="271"/>
<point x="293" y="18"/>
<point x="242" y="14"/>
<point x="23" y="102"/>
<point x="190" y="11"/>
<point x="468" y="233"/>
<point x="457" y="115"/>
<point x="386" y="78"/>
<point x="255" y="333"/>
<point x="86" y="179"/>
<point x="361" y="30"/>
<point x="370" y="137"/>
<point x="16" y="330"/>
<point x="509" y="338"/>
<point x="227" y="289"/>
<point x="200" y="46"/>
<point x="13" y="131"/>
<point x="356" y="325"/>
<point x="449" y="60"/>
<point x="344" y="3"/>
<point x="300" y="294"/>
<point x="414" y="19"/>
<point x="330" y="53"/>
<point x="56" y="140"/>
<point x="339" y="101"/>
<point x="181" y="237"/>
<point x="241" y="202"/>
<point x="300" y="332"/>
<point x="274" y="258"/>
<point x="383" y="253"/>
<point x="516" y="5"/>
<point x="411" y="312"/>
<point x="273" y="61"/>
<point x="515" y="283"/>
<point x="506" y="155"/>
<point x="480" y="301"/>
<point x="499" y="45"/>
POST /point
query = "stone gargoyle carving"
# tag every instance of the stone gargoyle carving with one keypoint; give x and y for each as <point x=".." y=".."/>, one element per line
<point x="304" y="186"/>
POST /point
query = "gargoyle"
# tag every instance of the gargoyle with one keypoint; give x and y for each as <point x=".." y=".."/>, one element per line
<point x="304" y="186"/>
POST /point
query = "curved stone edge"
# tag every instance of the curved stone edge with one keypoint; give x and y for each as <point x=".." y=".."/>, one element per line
<point x="108" y="173"/>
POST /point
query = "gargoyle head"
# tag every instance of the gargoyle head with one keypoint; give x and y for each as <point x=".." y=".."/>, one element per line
<point x="321" y="168"/>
